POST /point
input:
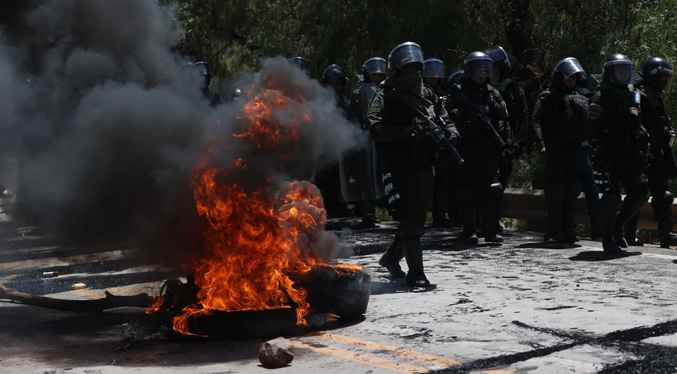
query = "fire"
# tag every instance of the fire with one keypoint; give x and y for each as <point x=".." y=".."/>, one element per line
<point x="256" y="240"/>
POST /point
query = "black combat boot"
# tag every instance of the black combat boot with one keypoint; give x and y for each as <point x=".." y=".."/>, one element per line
<point x="555" y="221"/>
<point x="569" y="213"/>
<point x="413" y="253"/>
<point x="631" y="232"/>
<point x="392" y="257"/>
<point x="668" y="238"/>
<point x="469" y="234"/>
<point x="608" y="223"/>
<point x="618" y="237"/>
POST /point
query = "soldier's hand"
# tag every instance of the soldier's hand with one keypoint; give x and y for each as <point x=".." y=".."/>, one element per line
<point x="418" y="131"/>
<point x="507" y="153"/>
<point x="454" y="138"/>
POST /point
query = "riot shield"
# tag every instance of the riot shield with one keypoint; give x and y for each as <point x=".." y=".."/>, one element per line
<point x="360" y="174"/>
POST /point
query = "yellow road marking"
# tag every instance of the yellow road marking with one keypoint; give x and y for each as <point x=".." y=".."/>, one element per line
<point x="362" y="358"/>
<point x="395" y="351"/>
<point x="400" y="352"/>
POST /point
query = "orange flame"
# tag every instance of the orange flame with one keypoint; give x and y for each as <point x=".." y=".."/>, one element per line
<point x="254" y="241"/>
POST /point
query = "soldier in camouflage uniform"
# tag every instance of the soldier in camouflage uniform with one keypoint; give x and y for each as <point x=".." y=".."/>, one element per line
<point x="657" y="74"/>
<point x="562" y="114"/>
<point x="406" y="155"/>
<point x="474" y="108"/>
<point x="621" y="149"/>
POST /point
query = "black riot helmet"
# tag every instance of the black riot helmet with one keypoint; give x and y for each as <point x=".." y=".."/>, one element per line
<point x="478" y="64"/>
<point x="456" y="76"/>
<point x="405" y="54"/>
<point x="202" y="71"/>
<point x="374" y="65"/>
<point x="657" y="73"/>
<point x="617" y="69"/>
<point x="301" y="63"/>
<point x="335" y="77"/>
<point x="502" y="59"/>
<point x="433" y="68"/>
<point x="334" y="71"/>
<point x="567" y="68"/>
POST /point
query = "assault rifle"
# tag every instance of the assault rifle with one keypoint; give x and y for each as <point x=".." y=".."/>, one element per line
<point x="428" y="128"/>
<point x="456" y="94"/>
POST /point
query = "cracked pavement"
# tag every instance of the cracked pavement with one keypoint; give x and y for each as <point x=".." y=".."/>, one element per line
<point x="519" y="307"/>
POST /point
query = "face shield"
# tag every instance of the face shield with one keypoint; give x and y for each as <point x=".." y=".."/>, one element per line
<point x="406" y="53"/>
<point x="375" y="65"/>
<point x="480" y="69"/>
<point x="665" y="81"/>
<point x="619" y="72"/>
<point x="569" y="68"/>
<point x="433" y="68"/>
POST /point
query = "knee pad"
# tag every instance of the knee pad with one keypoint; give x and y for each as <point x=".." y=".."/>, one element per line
<point x="554" y="192"/>
<point x="466" y="193"/>
<point x="494" y="192"/>
<point x="642" y="195"/>
<point x="573" y="190"/>
<point x="611" y="201"/>
<point x="411" y="230"/>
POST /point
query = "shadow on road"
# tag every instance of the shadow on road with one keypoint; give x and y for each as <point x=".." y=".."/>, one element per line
<point x="396" y="286"/>
<point x="601" y="256"/>
<point x="549" y="245"/>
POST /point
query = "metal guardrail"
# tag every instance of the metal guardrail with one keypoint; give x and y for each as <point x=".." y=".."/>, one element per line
<point x="530" y="204"/>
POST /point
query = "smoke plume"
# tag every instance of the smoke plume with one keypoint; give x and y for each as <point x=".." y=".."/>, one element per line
<point x="109" y="126"/>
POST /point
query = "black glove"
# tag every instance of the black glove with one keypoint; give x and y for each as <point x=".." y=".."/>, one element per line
<point x="454" y="138"/>
<point x="507" y="153"/>
<point x="419" y="130"/>
<point x="517" y="150"/>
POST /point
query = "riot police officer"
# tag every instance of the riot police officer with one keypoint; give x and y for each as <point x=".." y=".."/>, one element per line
<point x="433" y="76"/>
<point x="328" y="180"/>
<point x="360" y="173"/>
<point x="482" y="120"/>
<point x="562" y="114"/>
<point x="456" y="76"/>
<point x="657" y="74"/>
<point x="407" y="155"/>
<point x="202" y="71"/>
<point x="622" y="149"/>
<point x="516" y="103"/>
<point x="300" y="62"/>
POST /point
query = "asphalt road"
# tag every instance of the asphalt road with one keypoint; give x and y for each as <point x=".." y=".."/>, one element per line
<point x="519" y="307"/>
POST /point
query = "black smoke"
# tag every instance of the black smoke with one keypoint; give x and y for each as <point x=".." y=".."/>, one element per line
<point x="109" y="126"/>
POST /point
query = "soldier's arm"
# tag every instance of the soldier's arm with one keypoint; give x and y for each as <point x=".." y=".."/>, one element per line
<point x="536" y="126"/>
<point x="443" y="115"/>
<point x="596" y="126"/>
<point x="522" y="117"/>
<point x="504" y="119"/>
<point x="354" y="108"/>
<point x="379" y="130"/>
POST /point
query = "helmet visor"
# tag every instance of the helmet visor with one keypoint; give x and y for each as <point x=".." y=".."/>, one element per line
<point x="375" y="65"/>
<point x="665" y="82"/>
<point x="480" y="69"/>
<point x="569" y="67"/>
<point x="433" y="68"/>
<point x="406" y="54"/>
<point x="620" y="72"/>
